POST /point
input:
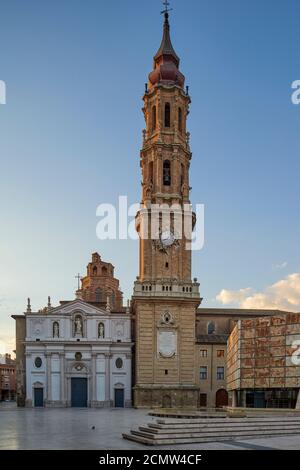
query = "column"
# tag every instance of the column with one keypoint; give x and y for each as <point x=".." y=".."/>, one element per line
<point x="94" y="378"/>
<point x="298" y="401"/>
<point x="128" y="384"/>
<point x="234" y="399"/>
<point x="107" y="377"/>
<point x="62" y="378"/>
<point x="243" y="399"/>
<point x="24" y="388"/>
<point x="48" y="375"/>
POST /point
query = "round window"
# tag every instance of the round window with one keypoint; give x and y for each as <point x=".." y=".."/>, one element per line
<point x="38" y="362"/>
<point x="78" y="356"/>
<point x="119" y="363"/>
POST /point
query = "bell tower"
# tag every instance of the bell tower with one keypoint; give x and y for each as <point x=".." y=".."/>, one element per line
<point x="165" y="298"/>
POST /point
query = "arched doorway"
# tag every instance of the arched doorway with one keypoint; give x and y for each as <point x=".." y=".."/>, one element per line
<point x="166" y="401"/>
<point x="221" y="398"/>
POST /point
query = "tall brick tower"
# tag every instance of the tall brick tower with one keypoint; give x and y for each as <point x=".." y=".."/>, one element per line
<point x="165" y="298"/>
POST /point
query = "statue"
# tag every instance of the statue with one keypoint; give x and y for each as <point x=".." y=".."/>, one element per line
<point x="78" y="326"/>
<point x="55" y="330"/>
<point x="100" y="330"/>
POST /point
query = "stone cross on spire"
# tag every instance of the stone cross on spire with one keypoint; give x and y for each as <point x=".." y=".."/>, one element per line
<point x="167" y="9"/>
<point x="78" y="277"/>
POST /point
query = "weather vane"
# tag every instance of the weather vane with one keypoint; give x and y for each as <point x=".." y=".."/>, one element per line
<point x="167" y="9"/>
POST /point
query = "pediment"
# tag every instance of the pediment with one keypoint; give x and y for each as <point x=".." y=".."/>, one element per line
<point x="80" y="306"/>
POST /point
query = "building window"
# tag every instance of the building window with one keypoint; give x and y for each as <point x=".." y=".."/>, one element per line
<point x="153" y="118"/>
<point x="38" y="362"/>
<point x="203" y="373"/>
<point x="119" y="363"/>
<point x="182" y="178"/>
<point x="150" y="175"/>
<point x="167" y="173"/>
<point x="203" y="352"/>
<point x="220" y="373"/>
<point x="220" y="353"/>
<point x="94" y="271"/>
<point x="167" y="115"/>
<point x="98" y="293"/>
<point x="179" y="119"/>
<point x="104" y="271"/>
<point x="211" y="328"/>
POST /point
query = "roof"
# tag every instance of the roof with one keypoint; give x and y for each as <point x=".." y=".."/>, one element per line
<point x="166" y="47"/>
<point x="240" y="312"/>
<point x="212" y="339"/>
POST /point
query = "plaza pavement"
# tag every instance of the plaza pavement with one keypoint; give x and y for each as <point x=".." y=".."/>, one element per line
<point x="69" y="428"/>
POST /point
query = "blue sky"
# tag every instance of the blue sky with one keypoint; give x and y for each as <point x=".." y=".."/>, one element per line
<point x="71" y="132"/>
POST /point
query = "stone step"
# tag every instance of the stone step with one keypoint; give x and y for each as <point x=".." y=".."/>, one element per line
<point x="151" y="442"/>
<point x="225" y="419"/>
<point x="214" y="425"/>
<point x="170" y="431"/>
<point x="220" y="431"/>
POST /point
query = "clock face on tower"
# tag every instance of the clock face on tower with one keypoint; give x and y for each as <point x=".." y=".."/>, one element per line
<point x="167" y="238"/>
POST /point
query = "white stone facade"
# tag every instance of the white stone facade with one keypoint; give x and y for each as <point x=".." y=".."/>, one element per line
<point x="78" y="341"/>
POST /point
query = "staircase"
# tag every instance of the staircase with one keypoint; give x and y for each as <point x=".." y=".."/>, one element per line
<point x="169" y="431"/>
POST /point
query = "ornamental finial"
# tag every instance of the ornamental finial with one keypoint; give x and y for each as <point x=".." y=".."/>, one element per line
<point x="167" y="9"/>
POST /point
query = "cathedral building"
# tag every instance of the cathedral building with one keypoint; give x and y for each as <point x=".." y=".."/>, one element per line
<point x="163" y="350"/>
<point x="79" y="353"/>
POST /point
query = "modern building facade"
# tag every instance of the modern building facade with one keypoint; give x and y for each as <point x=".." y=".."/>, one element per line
<point x="213" y="328"/>
<point x="263" y="362"/>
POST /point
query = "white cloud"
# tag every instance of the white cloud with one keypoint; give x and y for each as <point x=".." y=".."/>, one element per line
<point x="283" y="295"/>
<point x="233" y="296"/>
<point x="7" y="344"/>
<point x="280" y="265"/>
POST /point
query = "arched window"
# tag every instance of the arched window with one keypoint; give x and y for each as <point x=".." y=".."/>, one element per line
<point x="55" y="330"/>
<point x="153" y="118"/>
<point x="180" y="119"/>
<point x="98" y="293"/>
<point x="211" y="328"/>
<point x="95" y="271"/>
<point x="167" y="115"/>
<point x="167" y="173"/>
<point x="104" y="271"/>
<point x="182" y="174"/>
<point x="151" y="172"/>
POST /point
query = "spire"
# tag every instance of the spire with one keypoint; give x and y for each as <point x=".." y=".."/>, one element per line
<point x="166" y="48"/>
<point x="166" y="61"/>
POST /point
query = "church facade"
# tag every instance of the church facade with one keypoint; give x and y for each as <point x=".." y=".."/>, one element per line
<point x="79" y="353"/>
